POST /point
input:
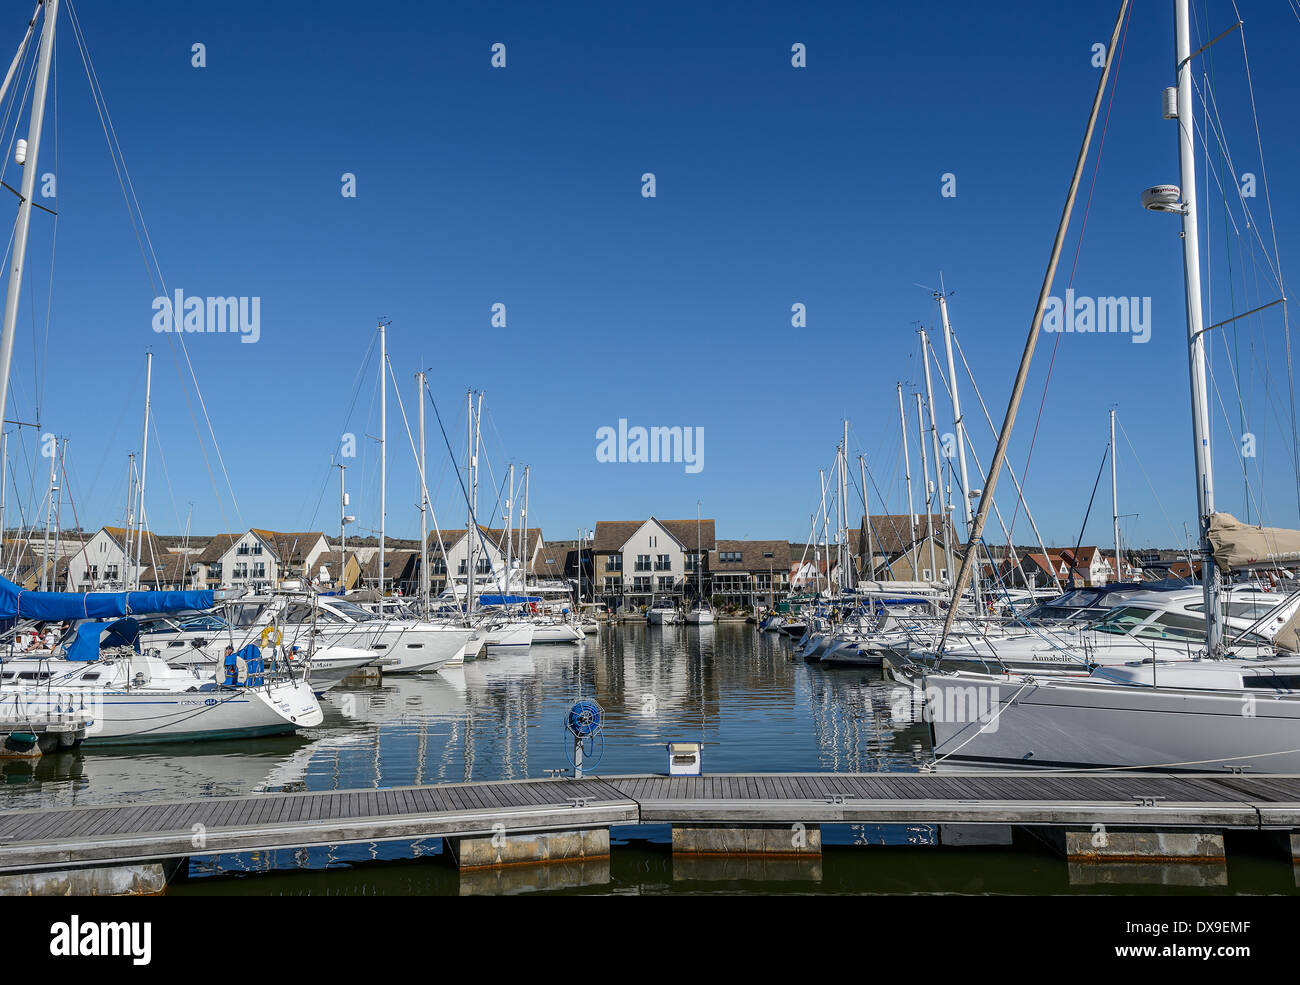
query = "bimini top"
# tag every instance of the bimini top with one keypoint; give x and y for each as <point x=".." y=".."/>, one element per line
<point x="15" y="603"/>
<point x="508" y="599"/>
<point x="92" y="636"/>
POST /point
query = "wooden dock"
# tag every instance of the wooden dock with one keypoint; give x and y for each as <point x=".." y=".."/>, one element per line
<point x="77" y="837"/>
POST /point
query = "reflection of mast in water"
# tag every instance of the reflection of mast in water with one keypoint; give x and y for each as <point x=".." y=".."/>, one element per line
<point x="852" y="732"/>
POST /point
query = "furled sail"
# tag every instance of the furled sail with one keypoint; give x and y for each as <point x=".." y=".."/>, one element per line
<point x="15" y="603"/>
<point x="1243" y="545"/>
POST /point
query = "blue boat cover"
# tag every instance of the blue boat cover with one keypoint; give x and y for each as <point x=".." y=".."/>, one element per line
<point x="86" y="645"/>
<point x="508" y="599"/>
<point x="256" y="670"/>
<point x="15" y="603"/>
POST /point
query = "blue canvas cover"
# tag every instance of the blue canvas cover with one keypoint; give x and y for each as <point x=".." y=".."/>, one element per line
<point x="508" y="599"/>
<point x="256" y="669"/>
<point x="15" y="603"/>
<point x="87" y="643"/>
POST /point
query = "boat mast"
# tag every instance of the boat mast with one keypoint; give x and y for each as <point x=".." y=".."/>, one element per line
<point x="1195" y="335"/>
<point x="929" y="490"/>
<point x="907" y="465"/>
<point x="144" y="469"/>
<point x="866" y="513"/>
<point x="959" y="428"/>
<point x="25" y="194"/>
<point x="938" y="459"/>
<point x="699" y="568"/>
<point x="826" y="540"/>
<point x="383" y="446"/>
<point x="510" y="526"/>
<point x="523" y="534"/>
<point x="343" y="528"/>
<point x="1114" y="498"/>
<point x="49" y="518"/>
<point x="844" y="509"/>
<point x="424" y="505"/>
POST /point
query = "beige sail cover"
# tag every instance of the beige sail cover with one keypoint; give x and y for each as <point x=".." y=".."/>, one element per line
<point x="1239" y="545"/>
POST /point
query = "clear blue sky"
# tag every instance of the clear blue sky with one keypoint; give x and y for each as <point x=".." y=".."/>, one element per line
<point x="522" y="185"/>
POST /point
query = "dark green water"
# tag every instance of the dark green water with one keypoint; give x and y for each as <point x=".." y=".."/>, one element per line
<point x="502" y="718"/>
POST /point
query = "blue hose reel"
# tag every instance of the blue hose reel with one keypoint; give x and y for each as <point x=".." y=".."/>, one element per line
<point x="584" y="721"/>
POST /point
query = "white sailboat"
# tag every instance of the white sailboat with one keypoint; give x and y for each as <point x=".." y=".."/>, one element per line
<point x="1219" y="712"/>
<point x="700" y="613"/>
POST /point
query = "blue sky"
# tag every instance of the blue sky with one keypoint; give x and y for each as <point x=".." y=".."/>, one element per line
<point x="522" y="185"/>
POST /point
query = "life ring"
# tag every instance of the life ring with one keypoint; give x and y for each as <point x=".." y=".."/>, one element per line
<point x="270" y="631"/>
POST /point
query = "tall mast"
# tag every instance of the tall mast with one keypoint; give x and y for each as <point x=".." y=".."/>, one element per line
<point x="343" y="527"/>
<point x="699" y="567"/>
<point x="510" y="525"/>
<point x="144" y="470"/>
<point x="959" y="422"/>
<point x="478" y="434"/>
<point x="383" y="446"/>
<point x="25" y="195"/>
<point x="4" y="484"/>
<point x="959" y="427"/>
<point x="866" y="513"/>
<point x="525" y="556"/>
<point x="938" y="459"/>
<point x="469" y="485"/>
<point x="1195" y="336"/>
<point x="929" y="490"/>
<point x="1114" y="498"/>
<point x="844" y="508"/>
<point x="907" y="465"/>
<point x="49" y="516"/>
<point x="826" y="544"/>
<point x="424" y="506"/>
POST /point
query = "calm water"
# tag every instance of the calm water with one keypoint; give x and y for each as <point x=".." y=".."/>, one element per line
<point x="503" y="718"/>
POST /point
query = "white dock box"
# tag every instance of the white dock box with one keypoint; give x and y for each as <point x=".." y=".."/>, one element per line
<point x="683" y="759"/>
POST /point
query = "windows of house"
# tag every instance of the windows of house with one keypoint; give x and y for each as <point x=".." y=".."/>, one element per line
<point x="642" y="562"/>
<point x="730" y="557"/>
<point x="614" y="562"/>
<point x="666" y="584"/>
<point x="640" y="584"/>
<point x="665" y="563"/>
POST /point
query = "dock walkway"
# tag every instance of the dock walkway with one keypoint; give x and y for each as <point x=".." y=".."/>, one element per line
<point x="42" y="840"/>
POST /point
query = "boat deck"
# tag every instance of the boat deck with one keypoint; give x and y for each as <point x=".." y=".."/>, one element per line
<point x="107" y="835"/>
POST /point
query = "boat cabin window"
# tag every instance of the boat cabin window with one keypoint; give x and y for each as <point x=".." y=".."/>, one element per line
<point x="1125" y="619"/>
<point x="1174" y="626"/>
<point x="206" y="623"/>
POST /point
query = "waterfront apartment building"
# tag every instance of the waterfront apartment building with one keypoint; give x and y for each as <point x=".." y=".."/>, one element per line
<point x="636" y="561"/>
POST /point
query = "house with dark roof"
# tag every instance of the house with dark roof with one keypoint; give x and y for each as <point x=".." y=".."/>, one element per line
<point x="449" y="558"/>
<point x="748" y="572"/>
<point x="635" y="561"/>
<point x="260" y="558"/>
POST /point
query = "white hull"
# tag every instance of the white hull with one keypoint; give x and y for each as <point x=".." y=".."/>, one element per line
<point x="1059" y="723"/>
<point x="514" y="636"/>
<point x="148" y="715"/>
<point x="699" y="617"/>
<point x="557" y="633"/>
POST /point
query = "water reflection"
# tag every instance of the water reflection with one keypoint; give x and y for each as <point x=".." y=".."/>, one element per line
<point x="502" y="718"/>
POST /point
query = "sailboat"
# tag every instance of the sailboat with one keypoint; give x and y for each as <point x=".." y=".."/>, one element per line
<point x="699" y="614"/>
<point x="1222" y="711"/>
<point x="102" y="674"/>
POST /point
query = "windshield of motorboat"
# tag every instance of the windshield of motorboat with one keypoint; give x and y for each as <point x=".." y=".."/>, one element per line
<point x="206" y="622"/>
<point x="242" y="615"/>
<point x="352" y="610"/>
<point x="1124" y="620"/>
